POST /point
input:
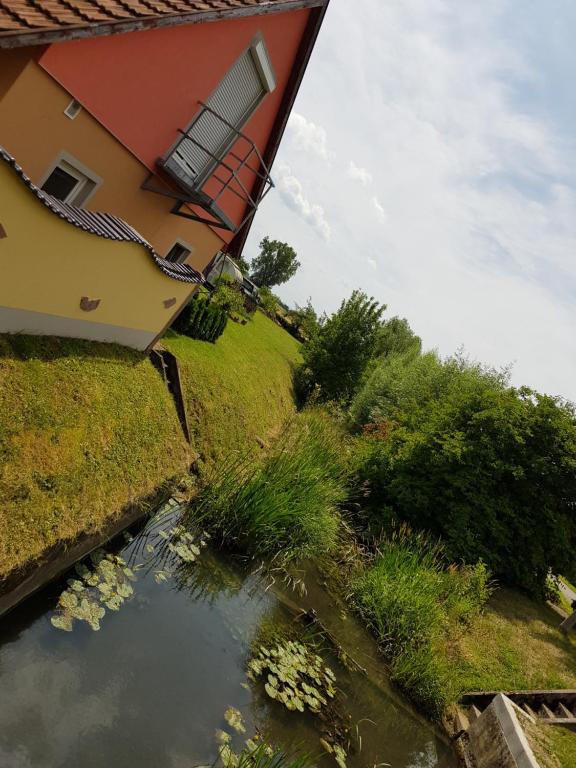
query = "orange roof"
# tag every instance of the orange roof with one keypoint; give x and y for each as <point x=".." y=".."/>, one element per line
<point x="33" y="22"/>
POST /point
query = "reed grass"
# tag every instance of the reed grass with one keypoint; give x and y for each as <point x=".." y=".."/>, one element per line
<point x="287" y="506"/>
<point x="414" y="601"/>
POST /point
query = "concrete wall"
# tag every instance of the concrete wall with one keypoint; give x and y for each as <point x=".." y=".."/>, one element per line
<point x="497" y="739"/>
<point x="35" y="130"/>
<point x="47" y="265"/>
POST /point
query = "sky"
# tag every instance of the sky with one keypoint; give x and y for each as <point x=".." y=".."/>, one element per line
<point x="430" y="161"/>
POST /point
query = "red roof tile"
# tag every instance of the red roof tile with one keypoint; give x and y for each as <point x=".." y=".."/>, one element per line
<point x="35" y="21"/>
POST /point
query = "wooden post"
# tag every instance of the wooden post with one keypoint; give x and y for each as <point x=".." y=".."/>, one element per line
<point x="569" y="623"/>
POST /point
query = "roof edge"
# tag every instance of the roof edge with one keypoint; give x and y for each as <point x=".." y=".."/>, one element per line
<point x="39" y="37"/>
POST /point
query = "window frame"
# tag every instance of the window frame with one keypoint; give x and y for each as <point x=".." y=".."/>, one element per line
<point x="258" y="49"/>
<point x="181" y="244"/>
<point x="88" y="181"/>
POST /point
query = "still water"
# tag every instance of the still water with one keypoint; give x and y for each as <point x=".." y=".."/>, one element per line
<point x="151" y="687"/>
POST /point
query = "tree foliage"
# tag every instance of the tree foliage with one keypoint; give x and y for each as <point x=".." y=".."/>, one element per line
<point x="307" y="320"/>
<point x="336" y="358"/>
<point x="228" y="296"/>
<point x="275" y="264"/>
<point x="395" y="337"/>
<point x="489" y="468"/>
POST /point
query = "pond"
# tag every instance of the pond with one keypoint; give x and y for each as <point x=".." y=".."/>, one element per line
<point x="151" y="687"/>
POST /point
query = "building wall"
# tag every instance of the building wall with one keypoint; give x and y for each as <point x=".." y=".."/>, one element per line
<point x="48" y="265"/>
<point x="34" y="130"/>
<point x="145" y="86"/>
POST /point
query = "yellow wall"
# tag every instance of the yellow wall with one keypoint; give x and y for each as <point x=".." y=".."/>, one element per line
<point x="47" y="265"/>
<point x="34" y="129"/>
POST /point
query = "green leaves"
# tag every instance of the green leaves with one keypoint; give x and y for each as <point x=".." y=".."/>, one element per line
<point x="295" y="676"/>
<point x="336" y="357"/>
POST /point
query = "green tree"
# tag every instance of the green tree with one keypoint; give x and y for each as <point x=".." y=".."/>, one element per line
<point x="242" y="264"/>
<point x="395" y="337"/>
<point x="336" y="358"/>
<point x="489" y="468"/>
<point x="307" y="320"/>
<point x="275" y="264"/>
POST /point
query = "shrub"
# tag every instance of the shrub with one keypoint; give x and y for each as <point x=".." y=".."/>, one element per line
<point x="337" y="356"/>
<point x="229" y="297"/>
<point x="201" y="319"/>
<point x="493" y="473"/>
<point x="288" y="506"/>
<point x="413" y="602"/>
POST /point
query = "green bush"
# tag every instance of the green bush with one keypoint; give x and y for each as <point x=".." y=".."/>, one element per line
<point x="202" y="319"/>
<point x="337" y="356"/>
<point x="288" y="506"/>
<point x="413" y="601"/>
<point x="493" y="473"/>
<point x="488" y="468"/>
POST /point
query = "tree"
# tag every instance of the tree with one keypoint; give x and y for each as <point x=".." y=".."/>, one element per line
<point x="395" y="337"/>
<point x="489" y="468"/>
<point x="307" y="320"/>
<point x="275" y="264"/>
<point x="336" y="358"/>
<point x="242" y="264"/>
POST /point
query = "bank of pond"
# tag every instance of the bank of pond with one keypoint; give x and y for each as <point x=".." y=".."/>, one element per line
<point x="160" y="650"/>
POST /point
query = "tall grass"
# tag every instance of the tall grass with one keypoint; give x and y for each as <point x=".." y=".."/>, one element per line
<point x="414" y="602"/>
<point x="286" y="507"/>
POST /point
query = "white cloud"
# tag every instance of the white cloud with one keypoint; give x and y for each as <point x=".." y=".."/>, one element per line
<point x="379" y="208"/>
<point x="309" y="137"/>
<point x="476" y="179"/>
<point x="359" y="174"/>
<point x="294" y="196"/>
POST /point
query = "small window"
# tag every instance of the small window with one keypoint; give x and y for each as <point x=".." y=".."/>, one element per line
<point x="70" y="182"/>
<point x="72" y="109"/>
<point x="178" y="253"/>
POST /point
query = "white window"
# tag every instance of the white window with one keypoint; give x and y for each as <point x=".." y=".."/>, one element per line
<point x="178" y="253"/>
<point x="73" y="109"/>
<point x="70" y="181"/>
<point x="234" y="101"/>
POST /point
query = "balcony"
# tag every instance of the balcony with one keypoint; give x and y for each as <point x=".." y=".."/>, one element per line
<point x="211" y="166"/>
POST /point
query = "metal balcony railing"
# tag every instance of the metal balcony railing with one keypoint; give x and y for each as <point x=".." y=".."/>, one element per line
<point x="212" y="160"/>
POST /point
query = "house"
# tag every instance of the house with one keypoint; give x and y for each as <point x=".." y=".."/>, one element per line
<point x="137" y="139"/>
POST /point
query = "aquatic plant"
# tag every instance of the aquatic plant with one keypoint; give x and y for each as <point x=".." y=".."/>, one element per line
<point x="256" y="753"/>
<point x="287" y="506"/>
<point x="105" y="585"/>
<point x="106" y="582"/>
<point x="294" y="675"/>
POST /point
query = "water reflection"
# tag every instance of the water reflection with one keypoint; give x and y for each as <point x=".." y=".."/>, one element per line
<point x="151" y="687"/>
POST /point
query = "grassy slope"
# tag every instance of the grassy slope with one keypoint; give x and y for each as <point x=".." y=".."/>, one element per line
<point x="85" y="428"/>
<point x="239" y="388"/>
<point x="515" y="644"/>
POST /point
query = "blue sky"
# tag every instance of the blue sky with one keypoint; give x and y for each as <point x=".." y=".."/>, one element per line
<point x="431" y="161"/>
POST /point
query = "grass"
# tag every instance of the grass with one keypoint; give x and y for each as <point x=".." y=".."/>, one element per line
<point x="286" y="506"/>
<point x="414" y="603"/>
<point x="553" y="747"/>
<point x="238" y="390"/>
<point x="85" y="429"/>
<point x="515" y="644"/>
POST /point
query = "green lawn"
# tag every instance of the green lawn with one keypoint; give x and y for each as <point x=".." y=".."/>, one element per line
<point x="515" y="644"/>
<point x="85" y="428"/>
<point x="238" y="389"/>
